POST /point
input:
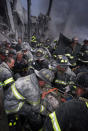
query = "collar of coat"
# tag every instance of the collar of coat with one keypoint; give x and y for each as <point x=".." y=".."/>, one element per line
<point x="5" y="65"/>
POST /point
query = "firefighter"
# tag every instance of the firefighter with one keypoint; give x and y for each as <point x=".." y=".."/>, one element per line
<point x="70" y="116"/>
<point x="64" y="76"/>
<point x="82" y="85"/>
<point x="6" y="75"/>
<point x="3" y="54"/>
<point x="33" y="41"/>
<point x="23" y="98"/>
<point x="19" y="45"/>
<point x="21" y="65"/>
<point x="54" y="46"/>
<point x="72" y="51"/>
<point x="47" y="43"/>
<point x="27" y="55"/>
<point x="12" y="53"/>
<point x="7" y="45"/>
<point x="49" y="94"/>
<point x="3" y="117"/>
<point x="83" y="56"/>
<point x="40" y="59"/>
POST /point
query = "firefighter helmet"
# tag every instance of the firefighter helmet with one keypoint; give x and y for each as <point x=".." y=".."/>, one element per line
<point x="63" y="60"/>
<point x="82" y="80"/>
<point x="39" y="54"/>
<point x="46" y="75"/>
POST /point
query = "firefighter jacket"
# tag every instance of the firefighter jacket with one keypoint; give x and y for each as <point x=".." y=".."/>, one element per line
<point x="72" y="54"/>
<point x="24" y="91"/>
<point x="63" y="79"/>
<point x="6" y="75"/>
<point x="83" y="54"/>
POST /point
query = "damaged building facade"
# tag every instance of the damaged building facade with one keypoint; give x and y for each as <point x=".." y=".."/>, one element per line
<point x="13" y="19"/>
<point x="14" y="22"/>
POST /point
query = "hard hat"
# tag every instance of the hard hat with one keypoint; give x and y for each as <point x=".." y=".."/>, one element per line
<point x="39" y="54"/>
<point x="46" y="75"/>
<point x="63" y="60"/>
<point x="13" y="52"/>
<point x="82" y="80"/>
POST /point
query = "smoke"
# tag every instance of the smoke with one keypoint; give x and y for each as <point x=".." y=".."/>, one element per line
<point x="67" y="16"/>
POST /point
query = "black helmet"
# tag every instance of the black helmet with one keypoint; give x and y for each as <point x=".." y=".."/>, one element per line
<point x="82" y="80"/>
<point x="4" y="52"/>
<point x="63" y="61"/>
<point x="84" y="56"/>
<point x="12" y="52"/>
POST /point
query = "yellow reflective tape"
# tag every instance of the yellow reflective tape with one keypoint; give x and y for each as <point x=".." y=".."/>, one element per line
<point x="20" y="97"/>
<point x="41" y="129"/>
<point x="14" y="123"/>
<point x="66" y="61"/>
<point x="34" y="103"/>
<point x="54" y="55"/>
<point x="40" y="51"/>
<point x="16" y="109"/>
<point x="1" y="84"/>
<point x="62" y="61"/>
<point x="82" y="60"/>
<point x="71" y="83"/>
<point x="74" y="64"/>
<point x="10" y="124"/>
<point x="42" y="108"/>
<point x="16" y="93"/>
<point x="17" y="118"/>
<point x="54" y="121"/>
<point x="60" y="56"/>
<point x="8" y="81"/>
<point x="87" y="104"/>
<point x="75" y="87"/>
<point x="69" y="55"/>
<point x="60" y="82"/>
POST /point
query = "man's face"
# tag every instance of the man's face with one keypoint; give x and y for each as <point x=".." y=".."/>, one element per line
<point x="41" y="83"/>
<point x="86" y="42"/>
<point x="19" y="56"/>
<point x="11" y="64"/>
<point x="79" y="91"/>
<point x="60" y="68"/>
<point x="75" y="41"/>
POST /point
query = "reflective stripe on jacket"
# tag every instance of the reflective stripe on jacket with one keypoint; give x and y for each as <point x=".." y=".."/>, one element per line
<point x="54" y="121"/>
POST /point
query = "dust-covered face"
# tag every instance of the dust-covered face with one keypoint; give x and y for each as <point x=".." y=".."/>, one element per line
<point x="41" y="83"/>
<point x="19" y="56"/>
<point x="62" y="68"/>
<point x="80" y="91"/>
<point x="11" y="64"/>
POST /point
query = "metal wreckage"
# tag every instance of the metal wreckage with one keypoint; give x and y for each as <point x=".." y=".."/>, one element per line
<point x="45" y="59"/>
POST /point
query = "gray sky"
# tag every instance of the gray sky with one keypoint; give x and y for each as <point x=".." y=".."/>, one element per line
<point x="36" y="6"/>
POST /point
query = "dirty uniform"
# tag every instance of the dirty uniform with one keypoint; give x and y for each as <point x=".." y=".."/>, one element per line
<point x="23" y="97"/>
<point x="50" y="97"/>
<point x="6" y="75"/>
<point x="72" y="54"/>
<point x="3" y="117"/>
